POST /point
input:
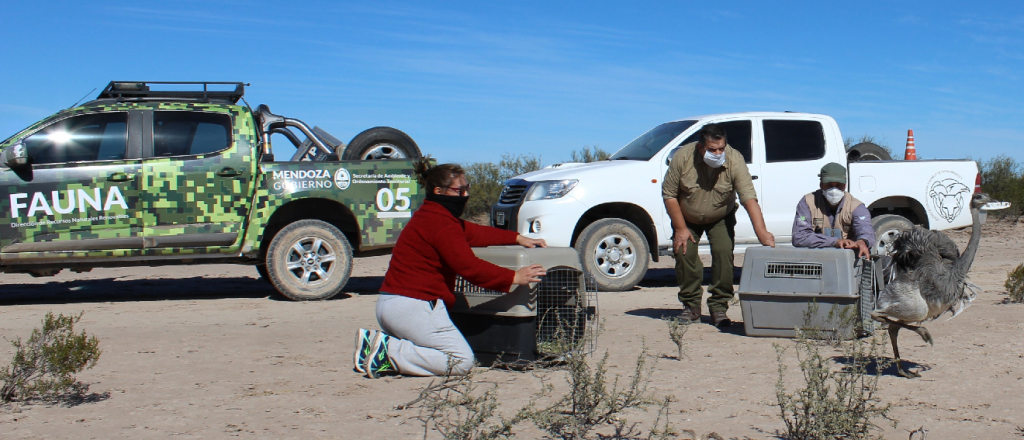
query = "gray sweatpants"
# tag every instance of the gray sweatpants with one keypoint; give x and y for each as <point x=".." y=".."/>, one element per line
<point x="423" y="337"/>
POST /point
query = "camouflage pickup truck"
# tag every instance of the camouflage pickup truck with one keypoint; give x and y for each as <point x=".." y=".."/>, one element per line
<point x="156" y="173"/>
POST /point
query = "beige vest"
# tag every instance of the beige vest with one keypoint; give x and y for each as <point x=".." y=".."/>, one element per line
<point x="844" y="218"/>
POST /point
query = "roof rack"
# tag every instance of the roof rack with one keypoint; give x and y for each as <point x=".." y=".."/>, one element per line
<point x="140" y="90"/>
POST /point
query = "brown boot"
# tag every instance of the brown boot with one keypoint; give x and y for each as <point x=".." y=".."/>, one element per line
<point x="690" y="314"/>
<point x="720" y="319"/>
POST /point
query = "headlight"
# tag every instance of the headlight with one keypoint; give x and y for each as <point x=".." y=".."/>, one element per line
<point x="551" y="189"/>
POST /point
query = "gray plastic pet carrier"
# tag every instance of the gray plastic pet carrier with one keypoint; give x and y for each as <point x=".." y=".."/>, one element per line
<point x="826" y="292"/>
<point x="544" y="320"/>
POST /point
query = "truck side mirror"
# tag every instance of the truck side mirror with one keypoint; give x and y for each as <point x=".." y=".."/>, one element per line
<point x="15" y="156"/>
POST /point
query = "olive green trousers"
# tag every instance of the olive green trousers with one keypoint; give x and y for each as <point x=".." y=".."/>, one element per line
<point x="690" y="271"/>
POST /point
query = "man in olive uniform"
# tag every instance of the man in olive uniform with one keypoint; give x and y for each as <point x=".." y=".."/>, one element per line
<point x="700" y="190"/>
<point x="831" y="217"/>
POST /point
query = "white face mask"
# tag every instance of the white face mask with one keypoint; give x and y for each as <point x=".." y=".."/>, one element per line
<point x="834" y="195"/>
<point x="714" y="160"/>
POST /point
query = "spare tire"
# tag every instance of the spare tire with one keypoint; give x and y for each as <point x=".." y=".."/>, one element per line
<point x="866" y="151"/>
<point x="381" y="143"/>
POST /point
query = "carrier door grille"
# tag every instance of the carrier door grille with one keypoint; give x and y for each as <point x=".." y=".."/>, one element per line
<point x="793" y="270"/>
<point x="567" y="313"/>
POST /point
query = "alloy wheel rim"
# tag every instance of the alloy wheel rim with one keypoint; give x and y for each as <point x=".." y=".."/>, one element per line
<point x="310" y="261"/>
<point x="614" y="256"/>
<point x="885" y="241"/>
<point x="384" y="151"/>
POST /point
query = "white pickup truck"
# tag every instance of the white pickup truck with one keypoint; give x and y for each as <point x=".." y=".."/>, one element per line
<point x="613" y="214"/>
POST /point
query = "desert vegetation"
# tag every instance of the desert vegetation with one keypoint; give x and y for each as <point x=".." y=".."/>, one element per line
<point x="1002" y="177"/>
<point x="487" y="179"/>
<point x="1015" y="284"/>
<point x="44" y="366"/>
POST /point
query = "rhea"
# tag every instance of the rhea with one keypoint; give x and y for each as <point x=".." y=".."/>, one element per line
<point x="929" y="278"/>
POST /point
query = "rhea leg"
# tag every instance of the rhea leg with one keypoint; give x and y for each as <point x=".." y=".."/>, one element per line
<point x="894" y="331"/>
<point x="921" y="331"/>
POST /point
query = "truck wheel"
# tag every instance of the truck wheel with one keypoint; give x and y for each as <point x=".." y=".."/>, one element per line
<point x="867" y="151"/>
<point x="309" y="260"/>
<point x="262" y="270"/>
<point x="887" y="228"/>
<point x="615" y="252"/>
<point x="381" y="143"/>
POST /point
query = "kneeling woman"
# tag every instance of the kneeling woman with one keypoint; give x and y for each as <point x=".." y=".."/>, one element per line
<point x="418" y="337"/>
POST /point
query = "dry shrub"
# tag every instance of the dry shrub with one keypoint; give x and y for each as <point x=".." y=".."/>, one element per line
<point x="594" y="399"/>
<point x="676" y="333"/>
<point x="833" y="404"/>
<point x="44" y="367"/>
<point x="456" y="408"/>
<point x="1015" y="284"/>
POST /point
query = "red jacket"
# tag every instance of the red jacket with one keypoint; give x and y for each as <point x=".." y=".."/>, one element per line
<point x="435" y="246"/>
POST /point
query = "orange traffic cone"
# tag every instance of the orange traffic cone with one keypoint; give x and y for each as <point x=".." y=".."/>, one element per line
<point x="911" y="153"/>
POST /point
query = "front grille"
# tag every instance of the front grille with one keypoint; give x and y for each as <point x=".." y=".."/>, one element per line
<point x="793" y="270"/>
<point x="512" y="194"/>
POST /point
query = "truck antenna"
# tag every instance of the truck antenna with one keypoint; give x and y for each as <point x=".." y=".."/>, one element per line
<point x="80" y="100"/>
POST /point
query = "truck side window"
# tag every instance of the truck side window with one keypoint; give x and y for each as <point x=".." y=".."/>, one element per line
<point x="100" y="136"/>
<point x="190" y="133"/>
<point x="737" y="133"/>
<point x="786" y="141"/>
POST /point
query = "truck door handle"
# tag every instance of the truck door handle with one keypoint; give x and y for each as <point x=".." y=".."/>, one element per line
<point x="228" y="172"/>
<point x="753" y="177"/>
<point x="119" y="177"/>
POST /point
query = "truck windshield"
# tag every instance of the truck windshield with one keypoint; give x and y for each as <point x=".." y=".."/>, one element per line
<point x="650" y="143"/>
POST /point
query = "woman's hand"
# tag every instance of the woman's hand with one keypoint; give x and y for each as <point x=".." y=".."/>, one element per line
<point x="531" y="242"/>
<point x="529" y="274"/>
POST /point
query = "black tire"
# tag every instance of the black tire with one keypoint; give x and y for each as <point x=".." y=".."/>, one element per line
<point x="381" y="143"/>
<point x="320" y="271"/>
<point x="866" y="151"/>
<point x="887" y="227"/>
<point x="615" y="252"/>
<point x="262" y="270"/>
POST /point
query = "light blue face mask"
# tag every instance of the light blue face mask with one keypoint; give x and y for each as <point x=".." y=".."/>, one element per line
<point x="714" y="160"/>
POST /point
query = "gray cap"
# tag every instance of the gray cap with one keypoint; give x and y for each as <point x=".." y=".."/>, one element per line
<point x="833" y="172"/>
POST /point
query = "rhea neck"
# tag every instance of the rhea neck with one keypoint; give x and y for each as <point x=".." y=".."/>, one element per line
<point x="963" y="264"/>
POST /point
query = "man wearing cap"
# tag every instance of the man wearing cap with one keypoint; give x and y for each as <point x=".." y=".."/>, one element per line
<point x="831" y="217"/>
<point x="700" y="190"/>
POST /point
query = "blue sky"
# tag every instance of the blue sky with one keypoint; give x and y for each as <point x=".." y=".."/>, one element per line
<point x="473" y="80"/>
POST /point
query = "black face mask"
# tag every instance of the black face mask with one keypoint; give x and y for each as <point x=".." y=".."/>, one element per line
<point x="454" y="204"/>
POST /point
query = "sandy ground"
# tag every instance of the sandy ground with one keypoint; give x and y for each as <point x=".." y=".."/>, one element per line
<point x="212" y="352"/>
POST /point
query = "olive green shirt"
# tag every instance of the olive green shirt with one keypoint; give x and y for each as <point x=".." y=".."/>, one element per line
<point x="707" y="194"/>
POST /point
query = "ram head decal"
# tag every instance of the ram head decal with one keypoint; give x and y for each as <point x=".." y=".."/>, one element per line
<point x="948" y="198"/>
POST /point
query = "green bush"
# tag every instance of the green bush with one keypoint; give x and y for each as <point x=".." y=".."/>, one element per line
<point x="487" y="180"/>
<point x="1015" y="284"/>
<point x="485" y="186"/>
<point x="587" y="155"/>
<point x="1002" y="178"/>
<point x="44" y="367"/>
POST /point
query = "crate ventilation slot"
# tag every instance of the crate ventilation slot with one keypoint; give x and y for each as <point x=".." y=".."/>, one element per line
<point x="793" y="270"/>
